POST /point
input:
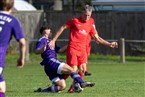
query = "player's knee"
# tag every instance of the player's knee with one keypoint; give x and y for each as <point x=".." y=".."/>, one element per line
<point x="62" y="87"/>
<point x="72" y="69"/>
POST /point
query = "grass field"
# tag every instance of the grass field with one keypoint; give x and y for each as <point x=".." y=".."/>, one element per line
<point x="112" y="78"/>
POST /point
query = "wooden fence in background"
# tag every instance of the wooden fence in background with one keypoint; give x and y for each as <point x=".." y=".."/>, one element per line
<point x="110" y="26"/>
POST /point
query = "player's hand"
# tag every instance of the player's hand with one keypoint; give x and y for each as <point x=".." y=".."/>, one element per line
<point x="52" y="44"/>
<point x="20" y="63"/>
<point x="114" y="45"/>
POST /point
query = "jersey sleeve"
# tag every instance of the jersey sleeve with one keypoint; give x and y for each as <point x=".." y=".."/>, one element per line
<point x="93" y="29"/>
<point x="17" y="30"/>
<point x="69" y="23"/>
<point x="40" y="43"/>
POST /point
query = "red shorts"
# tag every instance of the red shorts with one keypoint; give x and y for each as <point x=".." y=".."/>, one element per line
<point x="75" y="57"/>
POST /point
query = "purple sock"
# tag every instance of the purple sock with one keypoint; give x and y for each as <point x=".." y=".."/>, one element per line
<point x="51" y="89"/>
<point x="2" y="94"/>
<point x="77" y="77"/>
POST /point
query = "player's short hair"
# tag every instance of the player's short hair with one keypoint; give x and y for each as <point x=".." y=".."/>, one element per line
<point x="44" y="28"/>
<point x="6" y="4"/>
<point x="87" y="8"/>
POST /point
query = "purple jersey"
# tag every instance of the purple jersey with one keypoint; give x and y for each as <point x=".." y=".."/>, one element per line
<point x="9" y="26"/>
<point x="52" y="66"/>
<point x="48" y="53"/>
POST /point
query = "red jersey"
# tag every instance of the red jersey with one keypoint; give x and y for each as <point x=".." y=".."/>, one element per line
<point x="79" y="31"/>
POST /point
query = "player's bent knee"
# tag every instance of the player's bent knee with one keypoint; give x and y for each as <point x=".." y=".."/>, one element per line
<point x="62" y="87"/>
<point x="66" y="69"/>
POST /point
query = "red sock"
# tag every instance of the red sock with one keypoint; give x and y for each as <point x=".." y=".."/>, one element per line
<point x="70" y="88"/>
<point x="66" y="76"/>
<point x="81" y="74"/>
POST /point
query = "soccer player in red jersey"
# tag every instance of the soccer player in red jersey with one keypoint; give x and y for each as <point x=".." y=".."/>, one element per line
<point x="80" y="28"/>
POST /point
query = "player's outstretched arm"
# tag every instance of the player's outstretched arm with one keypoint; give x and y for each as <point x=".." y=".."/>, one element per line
<point x="100" y="40"/>
<point x="21" y="60"/>
<point x="61" y="29"/>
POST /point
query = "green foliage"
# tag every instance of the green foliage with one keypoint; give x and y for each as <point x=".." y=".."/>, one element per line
<point x="112" y="78"/>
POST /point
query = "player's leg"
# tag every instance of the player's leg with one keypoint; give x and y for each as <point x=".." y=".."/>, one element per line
<point x="2" y="81"/>
<point x="88" y="54"/>
<point x="76" y="59"/>
<point x="82" y="69"/>
<point x="66" y="69"/>
<point x="56" y="67"/>
<point x="82" y="60"/>
<point x="2" y="84"/>
<point x="58" y="85"/>
<point x="51" y="69"/>
<point x="86" y="72"/>
<point x="71" y="58"/>
<point x="2" y="89"/>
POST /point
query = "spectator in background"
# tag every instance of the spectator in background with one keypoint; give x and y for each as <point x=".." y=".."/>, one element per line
<point x="9" y="26"/>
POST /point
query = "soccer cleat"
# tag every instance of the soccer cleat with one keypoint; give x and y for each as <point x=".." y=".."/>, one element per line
<point x="87" y="74"/>
<point x="38" y="90"/>
<point x="87" y="84"/>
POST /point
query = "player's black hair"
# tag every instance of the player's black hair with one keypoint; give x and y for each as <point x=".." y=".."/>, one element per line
<point x="44" y="28"/>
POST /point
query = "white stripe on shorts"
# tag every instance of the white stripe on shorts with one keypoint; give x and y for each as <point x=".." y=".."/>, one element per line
<point x="60" y="68"/>
<point x="55" y="80"/>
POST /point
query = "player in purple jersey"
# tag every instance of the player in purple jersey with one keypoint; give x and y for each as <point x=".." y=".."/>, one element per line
<point x="53" y="67"/>
<point x="9" y="26"/>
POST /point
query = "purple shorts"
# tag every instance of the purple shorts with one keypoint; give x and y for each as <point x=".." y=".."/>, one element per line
<point x="52" y="68"/>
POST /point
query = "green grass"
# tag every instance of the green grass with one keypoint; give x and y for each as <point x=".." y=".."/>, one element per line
<point x="112" y="78"/>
